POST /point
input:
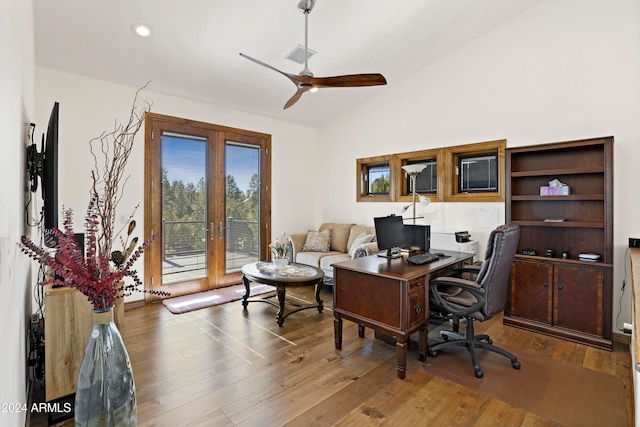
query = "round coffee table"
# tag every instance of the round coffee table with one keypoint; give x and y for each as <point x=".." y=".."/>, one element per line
<point x="292" y="274"/>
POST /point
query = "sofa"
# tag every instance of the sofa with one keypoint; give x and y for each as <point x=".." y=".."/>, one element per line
<point x="332" y="243"/>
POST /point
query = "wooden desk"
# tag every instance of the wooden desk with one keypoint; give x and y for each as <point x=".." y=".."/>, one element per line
<point x="390" y="296"/>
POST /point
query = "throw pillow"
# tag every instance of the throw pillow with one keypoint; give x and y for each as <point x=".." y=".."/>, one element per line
<point x="360" y="252"/>
<point x="360" y="240"/>
<point x="317" y="241"/>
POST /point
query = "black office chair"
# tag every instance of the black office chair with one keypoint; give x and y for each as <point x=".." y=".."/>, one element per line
<point x="478" y="299"/>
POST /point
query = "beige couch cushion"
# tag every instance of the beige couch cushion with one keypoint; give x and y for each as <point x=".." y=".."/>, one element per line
<point x="314" y="258"/>
<point x="356" y="230"/>
<point x="326" y="262"/>
<point x="339" y="235"/>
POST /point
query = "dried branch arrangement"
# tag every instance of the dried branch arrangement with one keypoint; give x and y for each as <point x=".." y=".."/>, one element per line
<point x="110" y="152"/>
<point x="99" y="272"/>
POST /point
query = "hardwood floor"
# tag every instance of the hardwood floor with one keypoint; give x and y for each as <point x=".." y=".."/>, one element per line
<point x="223" y="366"/>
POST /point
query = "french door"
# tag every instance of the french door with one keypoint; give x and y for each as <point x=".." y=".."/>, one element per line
<point x="207" y="200"/>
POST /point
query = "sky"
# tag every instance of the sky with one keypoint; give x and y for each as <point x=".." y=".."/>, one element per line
<point x="184" y="158"/>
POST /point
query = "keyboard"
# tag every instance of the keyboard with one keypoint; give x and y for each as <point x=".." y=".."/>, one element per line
<point x="422" y="259"/>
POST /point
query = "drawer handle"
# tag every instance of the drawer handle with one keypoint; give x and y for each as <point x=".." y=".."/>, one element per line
<point x="418" y="308"/>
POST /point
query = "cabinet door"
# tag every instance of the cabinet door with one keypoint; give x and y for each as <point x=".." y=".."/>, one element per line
<point x="531" y="290"/>
<point x="578" y="300"/>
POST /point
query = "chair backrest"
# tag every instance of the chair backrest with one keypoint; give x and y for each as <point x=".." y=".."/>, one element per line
<point x="496" y="269"/>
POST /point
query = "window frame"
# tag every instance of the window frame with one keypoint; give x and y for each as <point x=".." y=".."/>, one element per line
<point x="404" y="194"/>
<point x="447" y="159"/>
<point x="453" y="155"/>
<point x="362" y="186"/>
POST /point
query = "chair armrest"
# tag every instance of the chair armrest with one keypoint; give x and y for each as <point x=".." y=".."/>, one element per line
<point x="470" y="268"/>
<point x="441" y="283"/>
<point x="473" y="269"/>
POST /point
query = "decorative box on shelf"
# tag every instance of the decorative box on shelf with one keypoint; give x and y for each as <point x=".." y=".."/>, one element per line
<point x="559" y="190"/>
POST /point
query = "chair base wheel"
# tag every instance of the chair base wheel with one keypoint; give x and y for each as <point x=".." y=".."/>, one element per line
<point x="515" y="364"/>
<point x="479" y="373"/>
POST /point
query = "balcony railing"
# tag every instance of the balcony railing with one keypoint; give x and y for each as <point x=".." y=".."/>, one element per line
<point x="185" y="245"/>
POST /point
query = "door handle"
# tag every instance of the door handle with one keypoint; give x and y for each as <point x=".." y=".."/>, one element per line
<point x="221" y="229"/>
<point x="212" y="231"/>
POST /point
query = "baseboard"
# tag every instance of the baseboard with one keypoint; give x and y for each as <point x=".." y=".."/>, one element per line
<point x="622" y="338"/>
<point x="134" y="304"/>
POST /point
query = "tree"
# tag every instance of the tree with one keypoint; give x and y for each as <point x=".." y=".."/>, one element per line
<point x="381" y="184"/>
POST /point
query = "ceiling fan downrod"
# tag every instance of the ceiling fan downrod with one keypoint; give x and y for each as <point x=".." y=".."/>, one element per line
<point x="306" y="6"/>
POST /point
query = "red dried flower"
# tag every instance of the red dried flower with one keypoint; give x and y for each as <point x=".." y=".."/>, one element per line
<point x="90" y="273"/>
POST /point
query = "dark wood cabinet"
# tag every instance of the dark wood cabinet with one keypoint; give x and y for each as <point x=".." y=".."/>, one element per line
<point x="562" y="296"/>
<point x="532" y="281"/>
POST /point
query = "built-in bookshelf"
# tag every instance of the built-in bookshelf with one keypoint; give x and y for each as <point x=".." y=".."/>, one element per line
<point x="553" y="289"/>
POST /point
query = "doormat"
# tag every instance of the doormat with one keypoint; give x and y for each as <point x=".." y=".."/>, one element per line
<point x="191" y="302"/>
<point x="565" y="393"/>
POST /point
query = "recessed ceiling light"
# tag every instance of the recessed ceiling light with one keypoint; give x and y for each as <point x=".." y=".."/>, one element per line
<point x="141" y="30"/>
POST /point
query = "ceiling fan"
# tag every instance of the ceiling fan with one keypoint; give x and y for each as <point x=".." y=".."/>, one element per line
<point x="305" y="82"/>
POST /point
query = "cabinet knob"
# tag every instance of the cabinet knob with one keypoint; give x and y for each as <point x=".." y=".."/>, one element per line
<point x="417" y="308"/>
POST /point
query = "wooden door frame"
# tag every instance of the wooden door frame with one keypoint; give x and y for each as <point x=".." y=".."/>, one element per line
<point x="153" y="205"/>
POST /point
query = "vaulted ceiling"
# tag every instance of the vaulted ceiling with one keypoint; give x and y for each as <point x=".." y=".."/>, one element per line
<point x="193" y="51"/>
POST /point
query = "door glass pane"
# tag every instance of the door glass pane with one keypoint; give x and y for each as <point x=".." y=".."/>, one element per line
<point x="242" y="205"/>
<point x="184" y="208"/>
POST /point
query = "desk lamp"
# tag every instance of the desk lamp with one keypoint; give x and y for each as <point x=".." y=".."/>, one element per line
<point x="413" y="171"/>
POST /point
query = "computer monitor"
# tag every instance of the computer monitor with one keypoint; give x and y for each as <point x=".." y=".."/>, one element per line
<point x="417" y="237"/>
<point x="389" y="235"/>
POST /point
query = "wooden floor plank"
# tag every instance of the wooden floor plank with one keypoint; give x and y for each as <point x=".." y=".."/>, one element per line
<point x="225" y="366"/>
<point x="498" y="413"/>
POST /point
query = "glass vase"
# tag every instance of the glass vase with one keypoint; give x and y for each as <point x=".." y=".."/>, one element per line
<point x="280" y="263"/>
<point x="105" y="395"/>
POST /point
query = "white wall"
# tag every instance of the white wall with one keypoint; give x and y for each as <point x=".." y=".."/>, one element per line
<point x="563" y="70"/>
<point x="88" y="107"/>
<point x="16" y="111"/>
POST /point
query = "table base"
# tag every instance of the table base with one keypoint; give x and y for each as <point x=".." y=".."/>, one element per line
<point x="281" y="291"/>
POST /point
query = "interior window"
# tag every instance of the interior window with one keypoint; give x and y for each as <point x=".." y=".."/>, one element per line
<point x="478" y="173"/>
<point x="427" y="180"/>
<point x="374" y="179"/>
<point x="461" y="173"/>
<point x="378" y="179"/>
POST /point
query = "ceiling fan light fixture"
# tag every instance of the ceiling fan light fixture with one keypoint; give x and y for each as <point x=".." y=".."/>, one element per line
<point x="141" y="30"/>
<point x="313" y="89"/>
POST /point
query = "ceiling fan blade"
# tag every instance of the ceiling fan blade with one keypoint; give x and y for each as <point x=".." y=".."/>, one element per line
<point x="351" y="80"/>
<point x="296" y="96"/>
<point x="294" y="78"/>
<point x="305" y="81"/>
